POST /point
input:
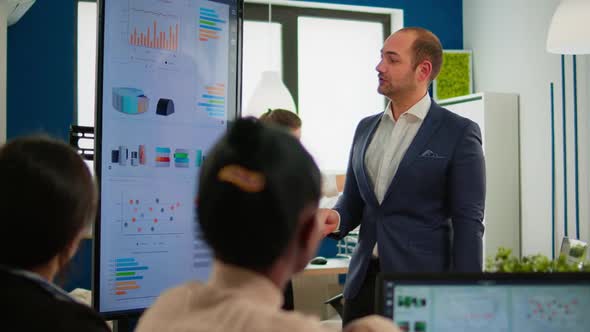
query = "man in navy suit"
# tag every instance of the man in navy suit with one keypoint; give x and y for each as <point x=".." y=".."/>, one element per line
<point x="415" y="181"/>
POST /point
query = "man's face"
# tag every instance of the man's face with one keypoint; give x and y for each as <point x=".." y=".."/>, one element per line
<point x="396" y="69"/>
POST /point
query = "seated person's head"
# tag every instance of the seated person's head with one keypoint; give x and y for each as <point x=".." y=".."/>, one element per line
<point x="283" y="118"/>
<point x="258" y="197"/>
<point x="47" y="199"/>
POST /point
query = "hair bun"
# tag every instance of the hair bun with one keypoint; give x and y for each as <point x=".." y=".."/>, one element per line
<point x="244" y="135"/>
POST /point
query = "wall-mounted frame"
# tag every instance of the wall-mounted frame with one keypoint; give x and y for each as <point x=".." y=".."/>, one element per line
<point x="456" y="75"/>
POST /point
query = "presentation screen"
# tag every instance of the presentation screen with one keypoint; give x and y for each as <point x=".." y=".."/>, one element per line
<point x="168" y="85"/>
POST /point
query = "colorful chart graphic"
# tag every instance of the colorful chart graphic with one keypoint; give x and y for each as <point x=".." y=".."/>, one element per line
<point x="212" y="101"/>
<point x="551" y="309"/>
<point x="128" y="272"/>
<point x="199" y="158"/>
<point x="420" y="326"/>
<point x="162" y="157"/>
<point x="125" y="156"/>
<point x="148" y="215"/>
<point x="165" y="107"/>
<point x="130" y="100"/>
<point x="181" y="158"/>
<point x="404" y="326"/>
<point x="411" y="301"/>
<point x="210" y="24"/>
<point x="474" y="309"/>
<point x="142" y="156"/>
<point x="464" y="309"/>
<point x="153" y="30"/>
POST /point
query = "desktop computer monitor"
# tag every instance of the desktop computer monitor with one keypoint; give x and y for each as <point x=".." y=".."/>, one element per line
<point x="538" y="302"/>
<point x="168" y="85"/>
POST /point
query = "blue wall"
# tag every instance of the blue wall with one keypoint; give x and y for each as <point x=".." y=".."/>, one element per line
<point x="443" y="17"/>
<point x="40" y="74"/>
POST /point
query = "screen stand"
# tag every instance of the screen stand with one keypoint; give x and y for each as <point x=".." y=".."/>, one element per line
<point x="122" y="325"/>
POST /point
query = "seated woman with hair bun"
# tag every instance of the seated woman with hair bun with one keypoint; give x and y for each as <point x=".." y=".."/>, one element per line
<point x="258" y="197"/>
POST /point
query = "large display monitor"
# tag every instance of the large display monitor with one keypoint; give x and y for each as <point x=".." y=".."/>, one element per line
<point x="527" y="302"/>
<point x="168" y="85"/>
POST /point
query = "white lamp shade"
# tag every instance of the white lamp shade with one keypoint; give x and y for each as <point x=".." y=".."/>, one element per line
<point x="270" y="92"/>
<point x="569" y="32"/>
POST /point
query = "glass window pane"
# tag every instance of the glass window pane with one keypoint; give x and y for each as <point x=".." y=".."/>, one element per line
<point x="262" y="51"/>
<point x="86" y="62"/>
<point x="337" y="84"/>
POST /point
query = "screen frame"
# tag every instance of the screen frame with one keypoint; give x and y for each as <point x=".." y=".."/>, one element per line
<point x="95" y="280"/>
<point x="485" y="278"/>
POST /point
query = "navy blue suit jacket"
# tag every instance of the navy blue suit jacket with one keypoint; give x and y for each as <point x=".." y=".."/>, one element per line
<point x="431" y="218"/>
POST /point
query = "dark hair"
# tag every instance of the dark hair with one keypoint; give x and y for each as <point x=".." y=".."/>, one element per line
<point x="426" y="46"/>
<point x="282" y="118"/>
<point x="253" y="186"/>
<point x="47" y="197"/>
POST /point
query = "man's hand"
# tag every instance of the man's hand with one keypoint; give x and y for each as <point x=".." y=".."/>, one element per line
<point x="330" y="219"/>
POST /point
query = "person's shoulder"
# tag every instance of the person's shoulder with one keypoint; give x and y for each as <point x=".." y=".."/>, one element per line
<point x="453" y="120"/>
<point x="171" y="307"/>
<point x="177" y="295"/>
<point x="371" y="118"/>
<point x="47" y="314"/>
<point x="367" y="122"/>
<point x="371" y="323"/>
<point x="74" y="316"/>
<point x="450" y="115"/>
<point x="297" y="322"/>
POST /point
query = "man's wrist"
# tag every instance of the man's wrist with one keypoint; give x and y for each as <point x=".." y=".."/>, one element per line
<point x="337" y="227"/>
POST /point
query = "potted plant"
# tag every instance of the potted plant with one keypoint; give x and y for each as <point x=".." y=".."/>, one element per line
<point x="505" y="262"/>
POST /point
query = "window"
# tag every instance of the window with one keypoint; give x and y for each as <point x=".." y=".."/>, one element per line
<point x="328" y="64"/>
<point x="86" y="63"/>
<point x="262" y="51"/>
<point x="337" y="84"/>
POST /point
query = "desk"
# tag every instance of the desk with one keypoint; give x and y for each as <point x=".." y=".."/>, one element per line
<point x="334" y="266"/>
<point x="316" y="284"/>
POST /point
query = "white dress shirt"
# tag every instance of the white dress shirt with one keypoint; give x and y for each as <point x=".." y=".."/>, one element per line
<point x="389" y="145"/>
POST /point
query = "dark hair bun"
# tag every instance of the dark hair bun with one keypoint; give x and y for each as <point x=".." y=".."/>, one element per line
<point x="253" y="186"/>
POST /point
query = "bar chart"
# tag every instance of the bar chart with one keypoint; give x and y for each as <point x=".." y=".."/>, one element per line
<point x="128" y="272"/>
<point x="199" y="158"/>
<point x="210" y="24"/>
<point x="162" y="156"/>
<point x="212" y="101"/>
<point x="181" y="158"/>
<point x="153" y="30"/>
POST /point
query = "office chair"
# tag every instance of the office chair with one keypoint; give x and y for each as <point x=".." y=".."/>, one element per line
<point x="346" y="247"/>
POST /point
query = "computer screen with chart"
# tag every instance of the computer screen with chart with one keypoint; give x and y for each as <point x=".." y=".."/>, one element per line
<point x="168" y="85"/>
<point x="487" y="303"/>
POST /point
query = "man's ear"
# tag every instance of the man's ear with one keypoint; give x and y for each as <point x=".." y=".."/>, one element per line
<point x="424" y="70"/>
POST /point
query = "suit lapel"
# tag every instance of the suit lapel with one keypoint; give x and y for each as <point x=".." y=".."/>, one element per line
<point x="429" y="126"/>
<point x="364" y="183"/>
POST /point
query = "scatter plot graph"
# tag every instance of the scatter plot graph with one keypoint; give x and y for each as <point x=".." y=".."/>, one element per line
<point x="549" y="310"/>
<point x="149" y="215"/>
